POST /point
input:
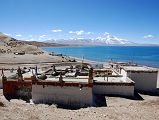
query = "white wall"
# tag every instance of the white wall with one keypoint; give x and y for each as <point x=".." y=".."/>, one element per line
<point x="146" y="81"/>
<point x="70" y="96"/>
<point x="123" y="90"/>
<point x="158" y="80"/>
<point x="124" y="75"/>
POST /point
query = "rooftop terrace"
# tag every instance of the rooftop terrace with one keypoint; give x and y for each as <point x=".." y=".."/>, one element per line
<point x="139" y="68"/>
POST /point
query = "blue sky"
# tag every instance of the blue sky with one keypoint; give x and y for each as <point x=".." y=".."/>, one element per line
<point x="133" y="20"/>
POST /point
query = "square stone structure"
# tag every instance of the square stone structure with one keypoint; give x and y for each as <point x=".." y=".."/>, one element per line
<point x="66" y="94"/>
<point x="145" y="78"/>
<point x="113" y="86"/>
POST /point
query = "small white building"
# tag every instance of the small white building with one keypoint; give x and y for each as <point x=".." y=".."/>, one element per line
<point x="68" y="95"/>
<point x="113" y="86"/>
<point x="145" y="78"/>
<point x="71" y="93"/>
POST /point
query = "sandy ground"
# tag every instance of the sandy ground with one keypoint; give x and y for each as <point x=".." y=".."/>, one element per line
<point x="13" y="61"/>
<point x="117" y="109"/>
<point x="29" y="58"/>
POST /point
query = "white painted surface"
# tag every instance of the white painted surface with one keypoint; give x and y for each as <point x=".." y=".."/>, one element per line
<point x="69" y="96"/>
<point x="146" y="81"/>
<point x="124" y="74"/>
<point x="139" y="68"/>
<point x="122" y="90"/>
<point x="109" y="79"/>
<point x="158" y="80"/>
<point x="70" y="79"/>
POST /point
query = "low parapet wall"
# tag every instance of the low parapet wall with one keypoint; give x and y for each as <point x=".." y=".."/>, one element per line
<point x="63" y="94"/>
<point x="114" y="88"/>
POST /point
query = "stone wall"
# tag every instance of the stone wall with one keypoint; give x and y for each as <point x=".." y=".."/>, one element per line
<point x="69" y="96"/>
<point x="144" y="81"/>
<point x="119" y="89"/>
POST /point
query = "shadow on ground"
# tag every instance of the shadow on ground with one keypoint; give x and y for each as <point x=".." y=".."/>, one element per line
<point x="151" y="93"/>
<point x="135" y="97"/>
<point x="98" y="101"/>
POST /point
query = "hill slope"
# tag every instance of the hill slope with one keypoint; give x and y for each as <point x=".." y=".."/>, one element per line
<point x="11" y="45"/>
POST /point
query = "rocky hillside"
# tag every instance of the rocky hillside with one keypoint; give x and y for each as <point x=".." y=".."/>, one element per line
<point x="43" y="44"/>
<point x="11" y="45"/>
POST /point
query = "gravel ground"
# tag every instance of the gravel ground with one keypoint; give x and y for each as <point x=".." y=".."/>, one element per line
<point x="29" y="58"/>
<point x="117" y="109"/>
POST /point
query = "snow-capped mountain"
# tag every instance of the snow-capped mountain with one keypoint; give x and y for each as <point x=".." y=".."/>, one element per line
<point x="96" y="41"/>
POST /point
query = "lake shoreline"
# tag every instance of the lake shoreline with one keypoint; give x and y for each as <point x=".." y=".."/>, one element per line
<point x="148" y="56"/>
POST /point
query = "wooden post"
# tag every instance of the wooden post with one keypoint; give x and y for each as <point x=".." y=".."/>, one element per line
<point x="90" y="79"/>
<point x="20" y="76"/>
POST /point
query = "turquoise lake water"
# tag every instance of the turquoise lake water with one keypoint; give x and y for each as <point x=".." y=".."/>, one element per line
<point x="145" y="55"/>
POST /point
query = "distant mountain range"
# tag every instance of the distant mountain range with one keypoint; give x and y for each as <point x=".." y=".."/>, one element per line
<point x="107" y="41"/>
<point x="104" y="41"/>
<point x="96" y="41"/>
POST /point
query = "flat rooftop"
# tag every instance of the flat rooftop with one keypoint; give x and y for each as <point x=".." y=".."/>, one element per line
<point x="140" y="68"/>
<point x="112" y="79"/>
<point x="84" y="79"/>
<point x="108" y="79"/>
<point x="79" y="79"/>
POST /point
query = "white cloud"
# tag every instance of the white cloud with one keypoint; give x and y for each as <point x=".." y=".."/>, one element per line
<point x="106" y="33"/>
<point x="42" y="36"/>
<point x="32" y="39"/>
<point x="77" y="32"/>
<point x="7" y="34"/>
<point x="57" y="30"/>
<point x="80" y="32"/>
<point x="148" y="36"/>
<point x="88" y="33"/>
<point x="70" y="32"/>
<point x="18" y="35"/>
